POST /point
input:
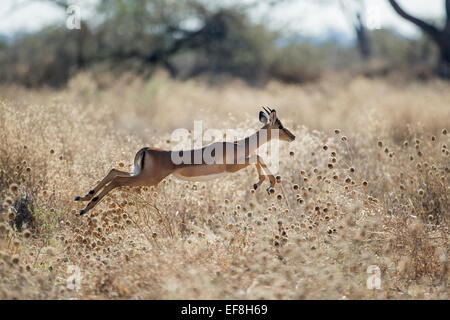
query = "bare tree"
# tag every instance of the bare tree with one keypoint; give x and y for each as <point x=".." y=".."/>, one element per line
<point x="440" y="36"/>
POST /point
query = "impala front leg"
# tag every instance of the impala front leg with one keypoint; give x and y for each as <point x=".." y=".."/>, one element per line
<point x="269" y="174"/>
<point x="261" y="176"/>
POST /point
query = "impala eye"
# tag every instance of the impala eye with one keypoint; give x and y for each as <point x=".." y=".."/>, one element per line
<point x="281" y="127"/>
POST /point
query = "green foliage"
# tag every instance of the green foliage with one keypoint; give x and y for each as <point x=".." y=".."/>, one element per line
<point x="400" y="51"/>
<point x="298" y="62"/>
<point x="46" y="223"/>
<point x="247" y="52"/>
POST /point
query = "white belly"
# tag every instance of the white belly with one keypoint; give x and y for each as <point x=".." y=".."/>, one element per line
<point x="200" y="178"/>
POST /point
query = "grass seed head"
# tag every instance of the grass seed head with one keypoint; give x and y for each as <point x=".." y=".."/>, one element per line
<point x="13" y="187"/>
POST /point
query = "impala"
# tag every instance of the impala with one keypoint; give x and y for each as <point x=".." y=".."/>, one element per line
<point x="152" y="165"/>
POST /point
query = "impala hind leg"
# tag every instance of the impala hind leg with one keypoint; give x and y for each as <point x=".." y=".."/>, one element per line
<point x="117" y="181"/>
<point x="111" y="175"/>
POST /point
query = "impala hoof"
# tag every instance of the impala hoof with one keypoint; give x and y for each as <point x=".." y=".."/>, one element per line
<point x="82" y="212"/>
<point x="255" y="186"/>
<point x="77" y="198"/>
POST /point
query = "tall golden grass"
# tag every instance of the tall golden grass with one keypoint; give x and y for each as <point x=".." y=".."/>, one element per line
<point x="366" y="183"/>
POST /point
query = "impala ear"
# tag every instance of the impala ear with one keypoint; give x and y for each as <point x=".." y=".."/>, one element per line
<point x="262" y="117"/>
<point x="273" y="117"/>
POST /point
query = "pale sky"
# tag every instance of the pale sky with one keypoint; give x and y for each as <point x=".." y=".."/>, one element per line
<point x="308" y="17"/>
<point x="312" y="18"/>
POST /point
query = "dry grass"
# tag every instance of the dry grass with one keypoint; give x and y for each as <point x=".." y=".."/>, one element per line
<point x="384" y="202"/>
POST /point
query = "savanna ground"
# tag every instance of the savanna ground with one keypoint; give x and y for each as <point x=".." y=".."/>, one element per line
<point x="365" y="183"/>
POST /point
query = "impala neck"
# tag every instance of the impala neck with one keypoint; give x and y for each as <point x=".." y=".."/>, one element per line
<point x="260" y="137"/>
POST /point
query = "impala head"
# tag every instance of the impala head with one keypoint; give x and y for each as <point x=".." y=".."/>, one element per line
<point x="271" y="121"/>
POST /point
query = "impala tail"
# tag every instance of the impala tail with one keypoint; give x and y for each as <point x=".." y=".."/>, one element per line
<point x="139" y="161"/>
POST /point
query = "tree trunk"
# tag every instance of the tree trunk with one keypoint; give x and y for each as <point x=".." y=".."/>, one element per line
<point x="443" y="43"/>
<point x="362" y="33"/>
<point x="81" y="38"/>
<point x="363" y="38"/>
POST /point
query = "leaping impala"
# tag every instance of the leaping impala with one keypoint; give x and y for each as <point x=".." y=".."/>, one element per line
<point x="152" y="165"/>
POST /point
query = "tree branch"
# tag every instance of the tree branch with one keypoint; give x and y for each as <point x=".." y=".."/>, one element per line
<point x="426" y="27"/>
